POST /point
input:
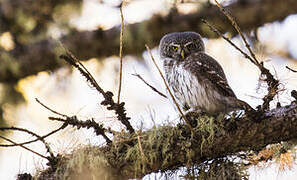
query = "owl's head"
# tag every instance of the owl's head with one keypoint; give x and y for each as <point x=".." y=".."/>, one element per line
<point x="179" y="45"/>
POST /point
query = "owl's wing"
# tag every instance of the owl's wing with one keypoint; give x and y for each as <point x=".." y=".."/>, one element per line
<point x="205" y="68"/>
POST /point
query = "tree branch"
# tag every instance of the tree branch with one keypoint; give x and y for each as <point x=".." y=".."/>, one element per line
<point x="168" y="148"/>
<point x="240" y="135"/>
<point x="108" y="101"/>
<point x="29" y="59"/>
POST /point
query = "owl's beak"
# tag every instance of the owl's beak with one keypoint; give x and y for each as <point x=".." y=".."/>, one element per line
<point x="182" y="53"/>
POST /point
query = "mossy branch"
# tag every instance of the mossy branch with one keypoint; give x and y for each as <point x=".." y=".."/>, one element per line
<point x="168" y="148"/>
<point x="90" y="123"/>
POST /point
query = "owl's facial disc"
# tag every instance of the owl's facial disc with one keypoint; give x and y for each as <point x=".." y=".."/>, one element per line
<point x="179" y="45"/>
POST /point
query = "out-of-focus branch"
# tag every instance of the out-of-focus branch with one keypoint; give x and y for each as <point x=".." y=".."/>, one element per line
<point x="29" y="59"/>
<point x="121" y="51"/>
<point x="28" y="149"/>
<point x="28" y="132"/>
<point x="295" y="71"/>
<point x="37" y="139"/>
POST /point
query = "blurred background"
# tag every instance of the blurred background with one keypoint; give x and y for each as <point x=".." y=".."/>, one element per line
<point x="31" y="33"/>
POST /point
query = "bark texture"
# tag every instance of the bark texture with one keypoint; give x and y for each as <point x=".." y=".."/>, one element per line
<point x="30" y="59"/>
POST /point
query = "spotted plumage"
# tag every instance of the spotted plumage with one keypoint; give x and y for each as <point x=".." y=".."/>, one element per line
<point x="197" y="81"/>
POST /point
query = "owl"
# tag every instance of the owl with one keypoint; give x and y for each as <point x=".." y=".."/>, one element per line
<point x="196" y="80"/>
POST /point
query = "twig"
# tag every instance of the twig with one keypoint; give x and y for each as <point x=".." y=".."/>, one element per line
<point x="121" y="51"/>
<point x="98" y="128"/>
<point x="37" y="139"/>
<point x="235" y="25"/>
<point x="152" y="87"/>
<point x="272" y="83"/>
<point x="25" y="148"/>
<point x="167" y="87"/>
<point x="108" y="101"/>
<point x="31" y="133"/>
<point x="72" y="60"/>
<point x="295" y="71"/>
<point x="46" y="107"/>
<point x="143" y="158"/>
<point x="228" y="40"/>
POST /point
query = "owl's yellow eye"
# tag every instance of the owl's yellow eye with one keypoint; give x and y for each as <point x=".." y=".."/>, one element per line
<point x="191" y="46"/>
<point x="174" y="48"/>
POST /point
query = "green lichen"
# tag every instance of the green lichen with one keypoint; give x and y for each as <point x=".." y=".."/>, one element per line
<point x="165" y="148"/>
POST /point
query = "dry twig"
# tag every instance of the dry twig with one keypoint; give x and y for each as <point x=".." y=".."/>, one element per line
<point x="295" y="71"/>
<point x="34" y="152"/>
<point x="46" y="107"/>
<point x="170" y="93"/>
<point x="143" y="158"/>
<point x="235" y="25"/>
<point x="152" y="87"/>
<point x="121" y="51"/>
<point x="98" y="128"/>
<point x="272" y="83"/>
<point x="28" y="132"/>
<point x="108" y="101"/>
<point x="37" y="139"/>
<point x="227" y="39"/>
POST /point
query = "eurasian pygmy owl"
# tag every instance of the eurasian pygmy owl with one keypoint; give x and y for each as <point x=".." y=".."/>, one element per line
<point x="197" y="81"/>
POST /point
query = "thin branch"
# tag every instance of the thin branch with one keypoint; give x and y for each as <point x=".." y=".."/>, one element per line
<point x="152" y="87"/>
<point x="37" y="139"/>
<point x="72" y="60"/>
<point x="272" y="83"/>
<point x="295" y="71"/>
<point x="98" y="128"/>
<point x="167" y="87"/>
<point x="235" y="25"/>
<point x="34" y="152"/>
<point x="228" y="40"/>
<point x="143" y="158"/>
<point x="46" y="107"/>
<point x="108" y="101"/>
<point x="31" y="133"/>
<point x="121" y="51"/>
